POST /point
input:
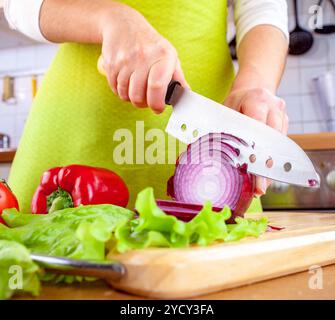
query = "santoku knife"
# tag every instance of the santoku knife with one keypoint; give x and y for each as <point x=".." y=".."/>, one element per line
<point x="266" y="152"/>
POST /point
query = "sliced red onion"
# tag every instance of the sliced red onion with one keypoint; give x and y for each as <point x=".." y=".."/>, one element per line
<point x="181" y="210"/>
<point x="206" y="172"/>
<point x="274" y="228"/>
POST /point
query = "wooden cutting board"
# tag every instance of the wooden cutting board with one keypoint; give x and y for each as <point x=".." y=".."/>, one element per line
<point x="307" y="240"/>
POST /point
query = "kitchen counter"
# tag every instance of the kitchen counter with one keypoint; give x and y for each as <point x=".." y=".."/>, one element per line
<point x="294" y="286"/>
<point x="315" y="141"/>
<point x="7" y="155"/>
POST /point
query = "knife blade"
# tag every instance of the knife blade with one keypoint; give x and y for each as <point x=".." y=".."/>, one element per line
<point x="265" y="151"/>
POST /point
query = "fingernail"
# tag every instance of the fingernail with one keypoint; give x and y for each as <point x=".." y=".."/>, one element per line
<point x="156" y="111"/>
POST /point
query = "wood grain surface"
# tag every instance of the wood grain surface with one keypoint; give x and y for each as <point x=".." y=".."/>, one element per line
<point x="308" y="239"/>
<point x="294" y="286"/>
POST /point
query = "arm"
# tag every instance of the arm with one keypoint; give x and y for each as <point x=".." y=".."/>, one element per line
<point x="262" y="49"/>
<point x="138" y="61"/>
<point x="261" y="56"/>
<point x="79" y="21"/>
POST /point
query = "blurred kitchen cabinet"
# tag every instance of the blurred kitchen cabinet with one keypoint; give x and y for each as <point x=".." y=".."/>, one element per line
<point x="4" y="170"/>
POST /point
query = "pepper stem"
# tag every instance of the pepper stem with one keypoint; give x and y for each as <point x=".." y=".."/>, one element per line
<point x="58" y="200"/>
<point x="4" y="182"/>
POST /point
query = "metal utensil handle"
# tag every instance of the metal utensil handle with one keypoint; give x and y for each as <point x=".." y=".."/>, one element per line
<point x="112" y="270"/>
<point x="295" y="5"/>
<point x="332" y="3"/>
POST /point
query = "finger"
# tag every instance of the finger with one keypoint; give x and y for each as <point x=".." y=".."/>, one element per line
<point x="285" y="124"/>
<point x="255" y="110"/>
<point x="160" y="75"/>
<point x="257" y="104"/>
<point x="275" y="119"/>
<point x="278" y="106"/>
<point x="261" y="186"/>
<point x="123" y="83"/>
<point x="110" y="70"/>
<point x="112" y="82"/>
<point x="111" y="75"/>
<point x="138" y="87"/>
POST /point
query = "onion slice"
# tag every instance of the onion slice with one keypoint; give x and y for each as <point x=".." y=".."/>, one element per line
<point x="181" y="210"/>
<point x="206" y="171"/>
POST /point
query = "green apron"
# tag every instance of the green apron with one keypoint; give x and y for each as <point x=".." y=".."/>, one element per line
<point x="75" y="117"/>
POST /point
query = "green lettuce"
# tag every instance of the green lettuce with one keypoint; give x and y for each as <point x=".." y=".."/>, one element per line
<point x="17" y="271"/>
<point x="87" y="232"/>
<point x="154" y="228"/>
<point x="77" y="233"/>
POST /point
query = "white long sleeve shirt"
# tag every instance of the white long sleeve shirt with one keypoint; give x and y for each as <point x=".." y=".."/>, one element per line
<point x="23" y="16"/>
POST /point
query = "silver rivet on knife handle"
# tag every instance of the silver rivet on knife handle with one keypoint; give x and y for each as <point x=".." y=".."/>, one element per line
<point x="111" y="270"/>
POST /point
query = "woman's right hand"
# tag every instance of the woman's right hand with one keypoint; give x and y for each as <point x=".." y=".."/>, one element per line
<point x="139" y="63"/>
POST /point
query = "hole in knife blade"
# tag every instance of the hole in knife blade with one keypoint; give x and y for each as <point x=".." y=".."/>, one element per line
<point x="269" y="163"/>
<point x="183" y="127"/>
<point x="287" y="166"/>
<point x="252" y="158"/>
<point x="195" y="133"/>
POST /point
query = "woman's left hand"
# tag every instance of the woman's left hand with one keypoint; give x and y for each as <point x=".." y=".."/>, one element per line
<point x="262" y="105"/>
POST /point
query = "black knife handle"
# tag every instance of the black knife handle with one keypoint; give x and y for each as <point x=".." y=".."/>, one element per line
<point x="172" y="85"/>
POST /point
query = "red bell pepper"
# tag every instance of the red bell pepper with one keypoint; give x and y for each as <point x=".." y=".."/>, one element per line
<point x="74" y="185"/>
<point x="7" y="199"/>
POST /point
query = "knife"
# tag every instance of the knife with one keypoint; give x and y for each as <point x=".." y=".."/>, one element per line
<point x="266" y="151"/>
<point x="107" y="270"/>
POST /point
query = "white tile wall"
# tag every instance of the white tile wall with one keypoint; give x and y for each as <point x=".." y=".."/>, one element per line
<point x="296" y="87"/>
<point x="4" y="170"/>
<point x="16" y="60"/>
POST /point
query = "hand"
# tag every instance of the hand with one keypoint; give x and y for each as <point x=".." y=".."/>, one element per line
<point x="262" y="105"/>
<point x="139" y="63"/>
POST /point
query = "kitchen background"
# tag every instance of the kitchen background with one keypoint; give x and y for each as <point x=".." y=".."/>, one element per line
<point x="27" y="61"/>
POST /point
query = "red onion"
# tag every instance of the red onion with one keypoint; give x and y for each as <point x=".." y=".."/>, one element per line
<point x="206" y="171"/>
<point x="181" y="210"/>
<point x="274" y="228"/>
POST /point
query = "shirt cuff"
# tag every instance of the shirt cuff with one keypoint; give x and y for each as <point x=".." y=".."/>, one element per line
<point x="249" y="14"/>
<point x="24" y="16"/>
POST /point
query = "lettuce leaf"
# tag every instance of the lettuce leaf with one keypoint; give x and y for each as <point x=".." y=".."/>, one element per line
<point x="17" y="271"/>
<point x="154" y="228"/>
<point x="78" y="233"/>
<point x="87" y="232"/>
